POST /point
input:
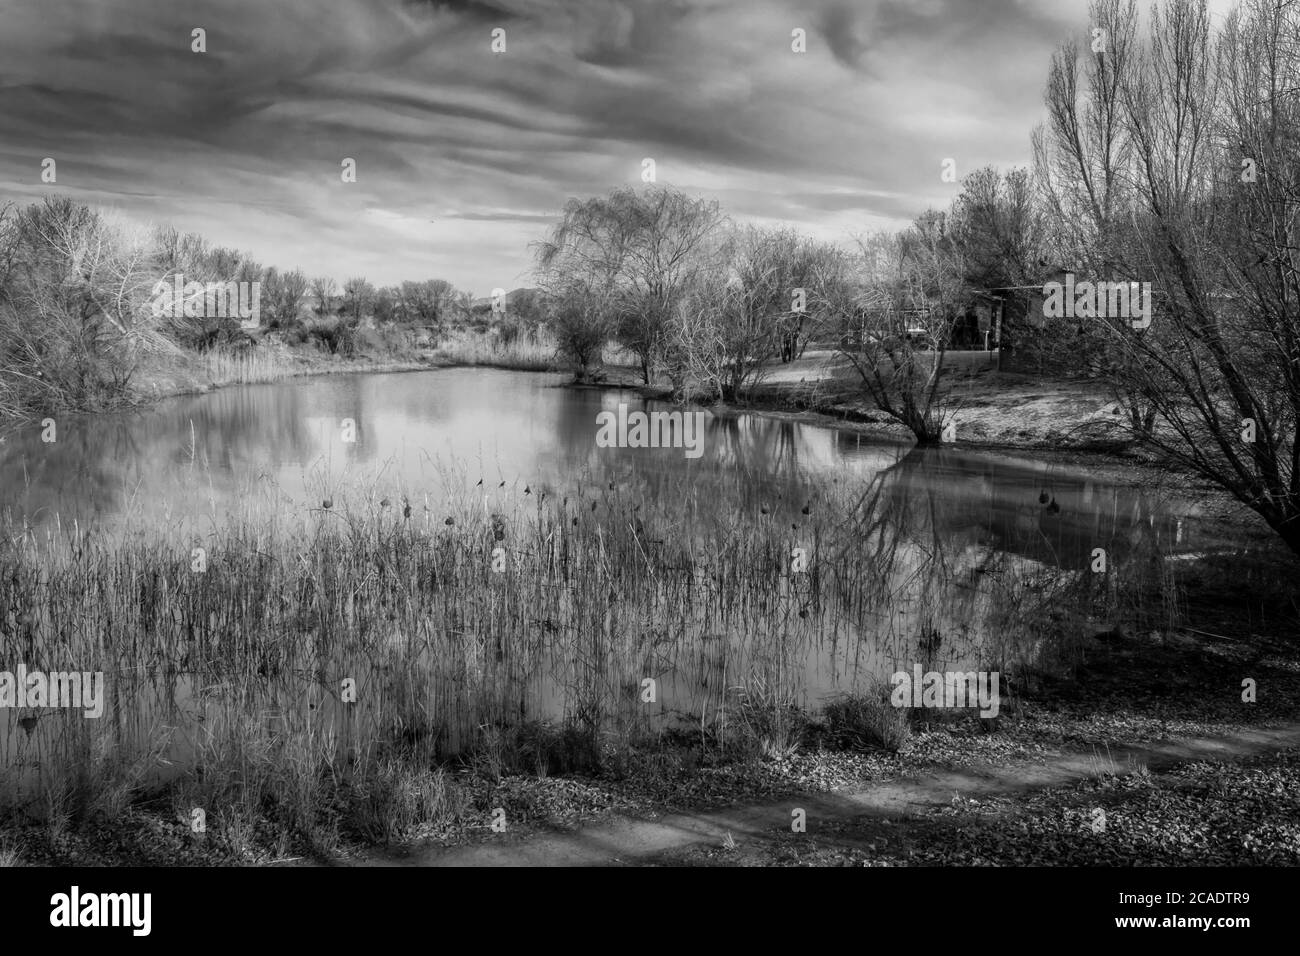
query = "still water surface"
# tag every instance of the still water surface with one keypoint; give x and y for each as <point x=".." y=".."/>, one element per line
<point x="952" y="515"/>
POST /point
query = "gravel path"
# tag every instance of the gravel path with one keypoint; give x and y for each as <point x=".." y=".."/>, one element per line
<point x="624" y="840"/>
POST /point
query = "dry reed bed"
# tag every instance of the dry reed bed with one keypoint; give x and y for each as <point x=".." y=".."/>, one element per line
<point x="231" y="682"/>
<point x="535" y="354"/>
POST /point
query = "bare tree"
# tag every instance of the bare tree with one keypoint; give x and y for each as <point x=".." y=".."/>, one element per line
<point x="324" y="289"/>
<point x="1209" y="214"/>
<point x="358" y="296"/>
<point x="577" y="266"/>
<point x="282" y="296"/>
<point x="578" y="316"/>
<point x="1082" y="155"/>
<point x="1216" y="129"/>
<point x="745" y="308"/>
<point x="430" y="302"/>
<point x="1083" y="160"/>
<point x="896" y="308"/>
<point x="997" y="222"/>
<point x="646" y="246"/>
<point x="668" y="234"/>
<point x="74" y="306"/>
<point x="386" y="305"/>
<point x="695" y="347"/>
<point x="188" y="258"/>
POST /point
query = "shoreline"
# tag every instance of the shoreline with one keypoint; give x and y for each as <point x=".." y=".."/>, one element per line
<point x="782" y="401"/>
<point x="165" y="387"/>
<point x="1114" y="463"/>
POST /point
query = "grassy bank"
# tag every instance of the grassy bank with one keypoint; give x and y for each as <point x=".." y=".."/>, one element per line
<point x="220" y="367"/>
<point x="184" y="372"/>
<point x="989" y="409"/>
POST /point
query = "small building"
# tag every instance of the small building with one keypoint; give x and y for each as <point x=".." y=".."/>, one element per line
<point x="1027" y="341"/>
<point x="977" y="326"/>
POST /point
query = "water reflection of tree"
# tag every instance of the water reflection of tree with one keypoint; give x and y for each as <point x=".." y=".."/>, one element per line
<point x="940" y="544"/>
<point x="259" y="427"/>
<point x="104" y="463"/>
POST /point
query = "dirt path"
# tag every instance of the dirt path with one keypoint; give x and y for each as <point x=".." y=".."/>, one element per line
<point x="625" y="841"/>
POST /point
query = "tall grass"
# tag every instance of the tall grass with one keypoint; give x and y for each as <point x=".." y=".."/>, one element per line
<point x="247" y="366"/>
<point x="252" y="366"/>
<point x="535" y="354"/>
<point x="331" y="655"/>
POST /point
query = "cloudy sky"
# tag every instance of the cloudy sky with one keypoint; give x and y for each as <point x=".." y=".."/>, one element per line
<point x="464" y="156"/>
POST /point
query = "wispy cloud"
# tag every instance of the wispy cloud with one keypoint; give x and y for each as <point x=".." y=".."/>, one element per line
<point x="472" y="152"/>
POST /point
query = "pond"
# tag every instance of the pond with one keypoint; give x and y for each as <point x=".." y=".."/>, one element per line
<point x="882" y="558"/>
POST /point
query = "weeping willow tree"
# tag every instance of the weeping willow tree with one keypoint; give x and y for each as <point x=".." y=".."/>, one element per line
<point x="637" y="252"/>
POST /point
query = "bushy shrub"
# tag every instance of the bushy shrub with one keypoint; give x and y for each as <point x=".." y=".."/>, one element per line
<point x="337" y="336"/>
<point x="73" y="289"/>
<point x="385" y="340"/>
<point x="580" y="328"/>
<point x="393" y="801"/>
<point x="296" y="332"/>
<point x="215" y="333"/>
<point x="865" y="721"/>
<point x="768" y="723"/>
<point x="536" y="747"/>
